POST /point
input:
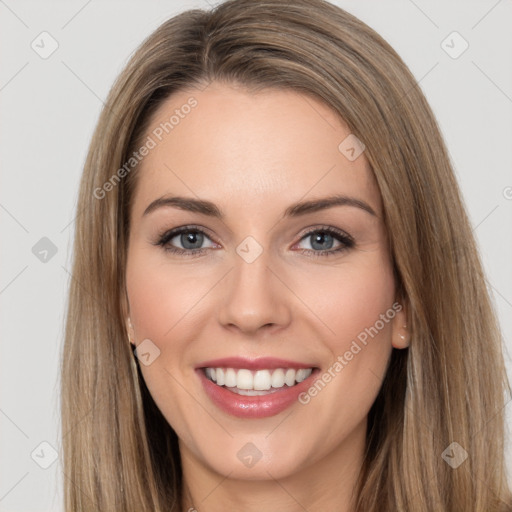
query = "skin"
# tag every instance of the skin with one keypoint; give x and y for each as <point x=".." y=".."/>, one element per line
<point x="254" y="154"/>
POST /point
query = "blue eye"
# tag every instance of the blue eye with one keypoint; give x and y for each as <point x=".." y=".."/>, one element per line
<point x="191" y="239"/>
<point x="324" y="238"/>
<point x="320" y="240"/>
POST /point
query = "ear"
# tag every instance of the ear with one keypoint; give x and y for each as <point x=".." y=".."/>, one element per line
<point x="400" y="331"/>
<point x="130" y="331"/>
<point x="125" y="308"/>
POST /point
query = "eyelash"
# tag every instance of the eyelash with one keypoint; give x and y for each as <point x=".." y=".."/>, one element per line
<point x="346" y="240"/>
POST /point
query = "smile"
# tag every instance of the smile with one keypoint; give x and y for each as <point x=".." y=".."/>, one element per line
<point x="256" y="383"/>
<point x="255" y="388"/>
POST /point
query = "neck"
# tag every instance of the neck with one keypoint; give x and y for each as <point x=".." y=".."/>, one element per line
<point x="327" y="484"/>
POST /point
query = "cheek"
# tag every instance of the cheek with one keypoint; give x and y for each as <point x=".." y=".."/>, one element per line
<point x="160" y="295"/>
<point x="350" y="299"/>
<point x="345" y="301"/>
<point x="171" y="304"/>
<point x="350" y="303"/>
<point x="162" y="299"/>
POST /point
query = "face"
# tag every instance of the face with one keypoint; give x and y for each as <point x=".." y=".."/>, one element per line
<point x="291" y="309"/>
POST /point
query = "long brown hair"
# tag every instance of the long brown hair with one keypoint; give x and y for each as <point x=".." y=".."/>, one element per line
<point x="119" y="453"/>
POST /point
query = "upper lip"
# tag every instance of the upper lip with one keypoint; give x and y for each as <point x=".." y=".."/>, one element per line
<point x="259" y="363"/>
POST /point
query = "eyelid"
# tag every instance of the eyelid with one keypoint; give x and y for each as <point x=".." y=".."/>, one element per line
<point x="346" y="239"/>
<point x="169" y="234"/>
<point x="330" y="229"/>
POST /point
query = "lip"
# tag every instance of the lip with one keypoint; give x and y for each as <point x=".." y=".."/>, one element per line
<point x="262" y="406"/>
<point x="260" y="363"/>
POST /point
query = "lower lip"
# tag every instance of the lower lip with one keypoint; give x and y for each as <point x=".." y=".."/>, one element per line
<point x="261" y="406"/>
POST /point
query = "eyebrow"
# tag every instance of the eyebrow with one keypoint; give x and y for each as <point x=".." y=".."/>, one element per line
<point x="295" y="210"/>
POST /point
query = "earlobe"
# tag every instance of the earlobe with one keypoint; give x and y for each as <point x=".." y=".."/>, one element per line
<point x="400" y="332"/>
<point x="130" y="331"/>
<point x="401" y="339"/>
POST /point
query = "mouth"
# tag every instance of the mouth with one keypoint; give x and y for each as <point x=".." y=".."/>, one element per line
<point x="256" y="383"/>
<point x="255" y="388"/>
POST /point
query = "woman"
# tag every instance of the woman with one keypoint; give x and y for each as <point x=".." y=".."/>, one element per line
<point x="277" y="302"/>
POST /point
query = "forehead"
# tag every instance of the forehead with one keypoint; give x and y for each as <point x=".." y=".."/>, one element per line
<point x="244" y="149"/>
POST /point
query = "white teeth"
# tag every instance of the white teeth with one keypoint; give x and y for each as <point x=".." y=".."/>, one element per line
<point x="247" y="382"/>
<point x="302" y="374"/>
<point x="289" y="377"/>
<point x="220" y="377"/>
<point x="278" y="378"/>
<point x="251" y="392"/>
<point x="262" y="380"/>
<point x="244" y="379"/>
<point x="230" y="378"/>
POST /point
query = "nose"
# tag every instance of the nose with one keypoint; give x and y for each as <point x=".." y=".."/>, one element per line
<point x="255" y="299"/>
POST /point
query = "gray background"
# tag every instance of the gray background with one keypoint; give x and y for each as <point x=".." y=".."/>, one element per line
<point x="49" y="109"/>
